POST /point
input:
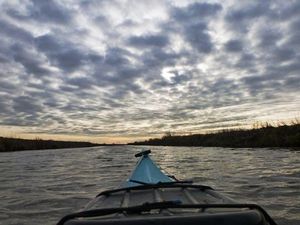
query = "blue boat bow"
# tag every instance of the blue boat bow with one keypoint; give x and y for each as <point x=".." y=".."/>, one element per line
<point x="146" y="172"/>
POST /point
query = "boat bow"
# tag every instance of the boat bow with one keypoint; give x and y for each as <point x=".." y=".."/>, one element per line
<point x="146" y="172"/>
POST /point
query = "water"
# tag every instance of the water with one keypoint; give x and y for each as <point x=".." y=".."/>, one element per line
<point x="39" y="187"/>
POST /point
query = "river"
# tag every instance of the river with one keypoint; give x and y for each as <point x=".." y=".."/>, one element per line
<point x="39" y="187"/>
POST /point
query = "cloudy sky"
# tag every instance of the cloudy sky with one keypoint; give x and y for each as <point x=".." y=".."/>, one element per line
<point x="117" y="71"/>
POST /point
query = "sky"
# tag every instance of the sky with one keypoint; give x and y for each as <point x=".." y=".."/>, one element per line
<point x="118" y="71"/>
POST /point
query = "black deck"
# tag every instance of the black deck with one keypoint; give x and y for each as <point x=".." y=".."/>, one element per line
<point x="167" y="204"/>
<point x="249" y="217"/>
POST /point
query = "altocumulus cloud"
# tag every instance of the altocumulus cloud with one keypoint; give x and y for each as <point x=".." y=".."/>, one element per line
<point x="138" y="69"/>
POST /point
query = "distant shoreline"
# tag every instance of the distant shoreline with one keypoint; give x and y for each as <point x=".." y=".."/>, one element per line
<point x="17" y="144"/>
<point x="266" y="136"/>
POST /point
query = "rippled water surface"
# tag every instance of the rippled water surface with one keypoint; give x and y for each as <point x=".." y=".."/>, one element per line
<point x="39" y="187"/>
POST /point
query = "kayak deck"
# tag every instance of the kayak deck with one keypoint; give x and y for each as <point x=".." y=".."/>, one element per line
<point x="138" y="195"/>
<point x="168" y="204"/>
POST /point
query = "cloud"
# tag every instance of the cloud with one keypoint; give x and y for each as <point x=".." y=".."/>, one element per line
<point x="116" y="56"/>
<point x="26" y="104"/>
<point x="148" y="41"/>
<point x="193" y="24"/>
<point x="268" y="38"/>
<point x="63" y="54"/>
<point x="113" y="68"/>
<point x="29" y="60"/>
<point x="10" y="30"/>
<point x="48" y="43"/>
<point x="197" y="35"/>
<point x="81" y="82"/>
<point x="50" y="11"/>
<point x="42" y="11"/>
<point x="249" y="11"/>
<point x="195" y="12"/>
<point x="234" y="46"/>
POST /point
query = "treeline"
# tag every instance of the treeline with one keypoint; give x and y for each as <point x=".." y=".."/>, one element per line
<point x="265" y="136"/>
<point x="17" y="144"/>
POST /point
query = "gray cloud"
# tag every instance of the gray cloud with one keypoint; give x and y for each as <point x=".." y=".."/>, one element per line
<point x="253" y="10"/>
<point x="197" y="35"/>
<point x="26" y="105"/>
<point x="116" y="56"/>
<point x="81" y="82"/>
<point x="50" y="11"/>
<point x="29" y="60"/>
<point x="63" y="54"/>
<point x="268" y="38"/>
<point x="193" y="20"/>
<point x="48" y="43"/>
<point x="282" y="54"/>
<point x="148" y="41"/>
<point x="42" y="11"/>
<point x="293" y="39"/>
<point x="14" y="32"/>
<point x="195" y="12"/>
<point x="234" y="46"/>
<point x="157" y="58"/>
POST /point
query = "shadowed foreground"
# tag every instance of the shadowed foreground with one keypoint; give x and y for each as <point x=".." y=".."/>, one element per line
<point x="268" y="136"/>
<point x="16" y="144"/>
